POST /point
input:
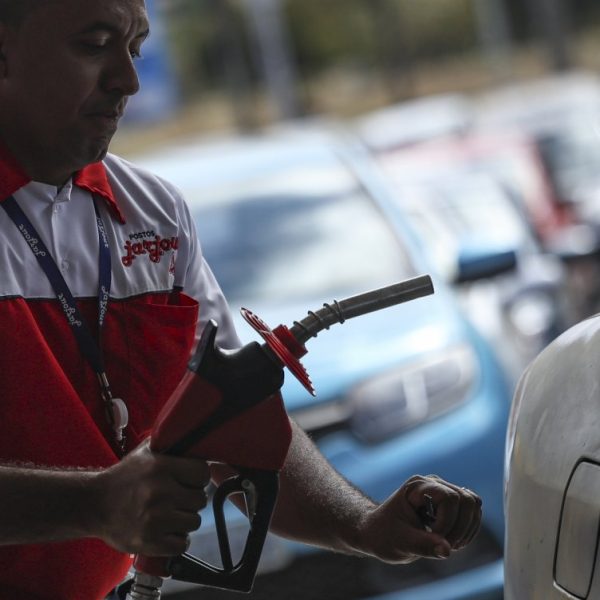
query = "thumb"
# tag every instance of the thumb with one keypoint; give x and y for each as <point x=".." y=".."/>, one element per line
<point x="428" y="544"/>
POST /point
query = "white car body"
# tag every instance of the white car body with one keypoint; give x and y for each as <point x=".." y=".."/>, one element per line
<point x="552" y="493"/>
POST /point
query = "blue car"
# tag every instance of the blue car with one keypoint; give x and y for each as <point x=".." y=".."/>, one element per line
<point x="289" y="221"/>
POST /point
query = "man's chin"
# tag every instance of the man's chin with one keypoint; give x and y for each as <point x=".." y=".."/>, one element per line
<point x="101" y="154"/>
<point x="94" y="152"/>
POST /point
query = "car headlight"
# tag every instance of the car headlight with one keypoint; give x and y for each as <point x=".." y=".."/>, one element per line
<point x="412" y="394"/>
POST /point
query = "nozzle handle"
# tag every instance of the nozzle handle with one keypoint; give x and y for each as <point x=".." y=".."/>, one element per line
<point x="342" y="310"/>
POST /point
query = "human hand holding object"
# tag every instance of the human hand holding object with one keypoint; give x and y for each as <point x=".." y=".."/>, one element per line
<point x="394" y="531"/>
<point x="148" y="503"/>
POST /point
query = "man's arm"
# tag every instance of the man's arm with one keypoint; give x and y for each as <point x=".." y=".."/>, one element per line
<point x="318" y="506"/>
<point x="145" y="504"/>
<point x="39" y="505"/>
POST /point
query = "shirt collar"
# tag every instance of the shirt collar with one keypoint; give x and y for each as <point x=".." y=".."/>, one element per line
<point x="92" y="178"/>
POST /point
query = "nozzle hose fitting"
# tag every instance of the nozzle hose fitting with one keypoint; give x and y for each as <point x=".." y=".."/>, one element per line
<point x="145" y="587"/>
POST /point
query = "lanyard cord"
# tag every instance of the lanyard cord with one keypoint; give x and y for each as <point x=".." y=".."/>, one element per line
<point x="116" y="410"/>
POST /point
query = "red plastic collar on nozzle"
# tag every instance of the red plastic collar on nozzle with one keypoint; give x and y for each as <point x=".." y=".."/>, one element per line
<point x="283" y="345"/>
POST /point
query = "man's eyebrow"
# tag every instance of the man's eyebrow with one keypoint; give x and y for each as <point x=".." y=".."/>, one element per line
<point x="105" y="26"/>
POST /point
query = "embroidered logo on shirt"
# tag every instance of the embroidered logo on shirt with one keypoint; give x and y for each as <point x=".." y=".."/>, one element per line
<point x="149" y="243"/>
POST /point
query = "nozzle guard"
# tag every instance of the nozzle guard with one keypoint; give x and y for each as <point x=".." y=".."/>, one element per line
<point x="283" y="345"/>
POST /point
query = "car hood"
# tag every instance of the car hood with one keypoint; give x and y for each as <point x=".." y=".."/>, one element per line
<point x="365" y="346"/>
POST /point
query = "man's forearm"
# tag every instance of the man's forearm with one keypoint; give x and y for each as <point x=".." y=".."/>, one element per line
<point x="38" y="505"/>
<point x="316" y="505"/>
<point x="145" y="504"/>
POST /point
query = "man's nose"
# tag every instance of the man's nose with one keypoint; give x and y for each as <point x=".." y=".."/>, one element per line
<point x="121" y="76"/>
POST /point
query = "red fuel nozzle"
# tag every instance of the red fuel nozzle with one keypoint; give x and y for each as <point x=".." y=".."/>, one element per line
<point x="227" y="408"/>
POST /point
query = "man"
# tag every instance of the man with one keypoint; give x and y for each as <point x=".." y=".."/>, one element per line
<point x="80" y="491"/>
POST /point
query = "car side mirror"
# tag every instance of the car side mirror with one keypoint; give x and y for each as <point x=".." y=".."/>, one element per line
<point x="481" y="261"/>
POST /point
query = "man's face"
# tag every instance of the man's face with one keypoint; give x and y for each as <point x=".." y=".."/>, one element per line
<point x="68" y="72"/>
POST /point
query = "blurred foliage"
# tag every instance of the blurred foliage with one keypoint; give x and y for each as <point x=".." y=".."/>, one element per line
<point x="327" y="32"/>
<point x="213" y="41"/>
<point x="436" y="27"/>
<point x="202" y="34"/>
<point x="359" y="32"/>
<point x="353" y="30"/>
<point x="584" y="12"/>
<point x="580" y="14"/>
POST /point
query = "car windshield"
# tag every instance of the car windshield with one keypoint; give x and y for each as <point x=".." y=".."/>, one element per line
<point x="302" y="231"/>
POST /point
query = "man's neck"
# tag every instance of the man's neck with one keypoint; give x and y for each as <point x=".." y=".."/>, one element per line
<point x="46" y="174"/>
<point x="41" y="170"/>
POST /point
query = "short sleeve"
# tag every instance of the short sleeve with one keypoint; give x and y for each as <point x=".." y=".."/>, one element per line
<point x="196" y="279"/>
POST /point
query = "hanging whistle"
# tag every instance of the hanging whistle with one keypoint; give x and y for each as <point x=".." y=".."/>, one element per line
<point x="120" y="417"/>
<point x="116" y="410"/>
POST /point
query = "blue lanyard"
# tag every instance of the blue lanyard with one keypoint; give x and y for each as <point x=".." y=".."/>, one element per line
<point x="116" y="409"/>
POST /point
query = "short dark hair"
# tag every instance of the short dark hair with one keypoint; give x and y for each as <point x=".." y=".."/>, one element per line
<point x="12" y="12"/>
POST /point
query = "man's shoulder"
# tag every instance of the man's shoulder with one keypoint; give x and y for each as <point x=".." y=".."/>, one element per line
<point x="126" y="171"/>
<point x="141" y="189"/>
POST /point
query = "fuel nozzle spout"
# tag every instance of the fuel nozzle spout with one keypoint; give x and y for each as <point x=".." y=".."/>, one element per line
<point x="287" y="345"/>
<point x="355" y="306"/>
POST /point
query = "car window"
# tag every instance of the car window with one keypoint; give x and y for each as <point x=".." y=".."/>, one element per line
<point x="480" y="208"/>
<point x="302" y="232"/>
<point x="573" y="155"/>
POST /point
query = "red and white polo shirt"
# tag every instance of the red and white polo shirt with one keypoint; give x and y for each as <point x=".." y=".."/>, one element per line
<point x="161" y="295"/>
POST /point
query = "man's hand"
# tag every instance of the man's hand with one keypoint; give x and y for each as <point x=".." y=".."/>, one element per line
<point x="396" y="533"/>
<point x="150" y="502"/>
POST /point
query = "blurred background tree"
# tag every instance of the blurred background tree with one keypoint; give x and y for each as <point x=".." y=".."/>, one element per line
<point x="240" y="64"/>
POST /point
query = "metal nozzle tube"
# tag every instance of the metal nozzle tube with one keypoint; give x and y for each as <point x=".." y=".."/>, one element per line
<point x="342" y="310"/>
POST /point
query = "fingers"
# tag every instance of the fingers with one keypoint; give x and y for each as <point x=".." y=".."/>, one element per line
<point x="188" y="472"/>
<point x="457" y="510"/>
<point x="168" y="535"/>
<point x="459" y="514"/>
<point x="423" y="543"/>
<point x="168" y="493"/>
<point x="393" y="531"/>
<point x="467" y="523"/>
<point x="173" y="505"/>
<point x="150" y="503"/>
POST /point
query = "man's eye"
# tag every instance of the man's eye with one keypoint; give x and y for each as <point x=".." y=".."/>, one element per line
<point x="135" y="54"/>
<point x="93" y="47"/>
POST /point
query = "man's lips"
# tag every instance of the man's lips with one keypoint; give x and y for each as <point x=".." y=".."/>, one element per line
<point x="107" y="114"/>
<point x="106" y="120"/>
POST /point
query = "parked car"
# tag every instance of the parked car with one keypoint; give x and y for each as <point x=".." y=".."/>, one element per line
<point x="461" y="211"/>
<point x="552" y="494"/>
<point x="415" y="121"/>
<point x="561" y="115"/>
<point x="449" y="131"/>
<point x="289" y="221"/>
